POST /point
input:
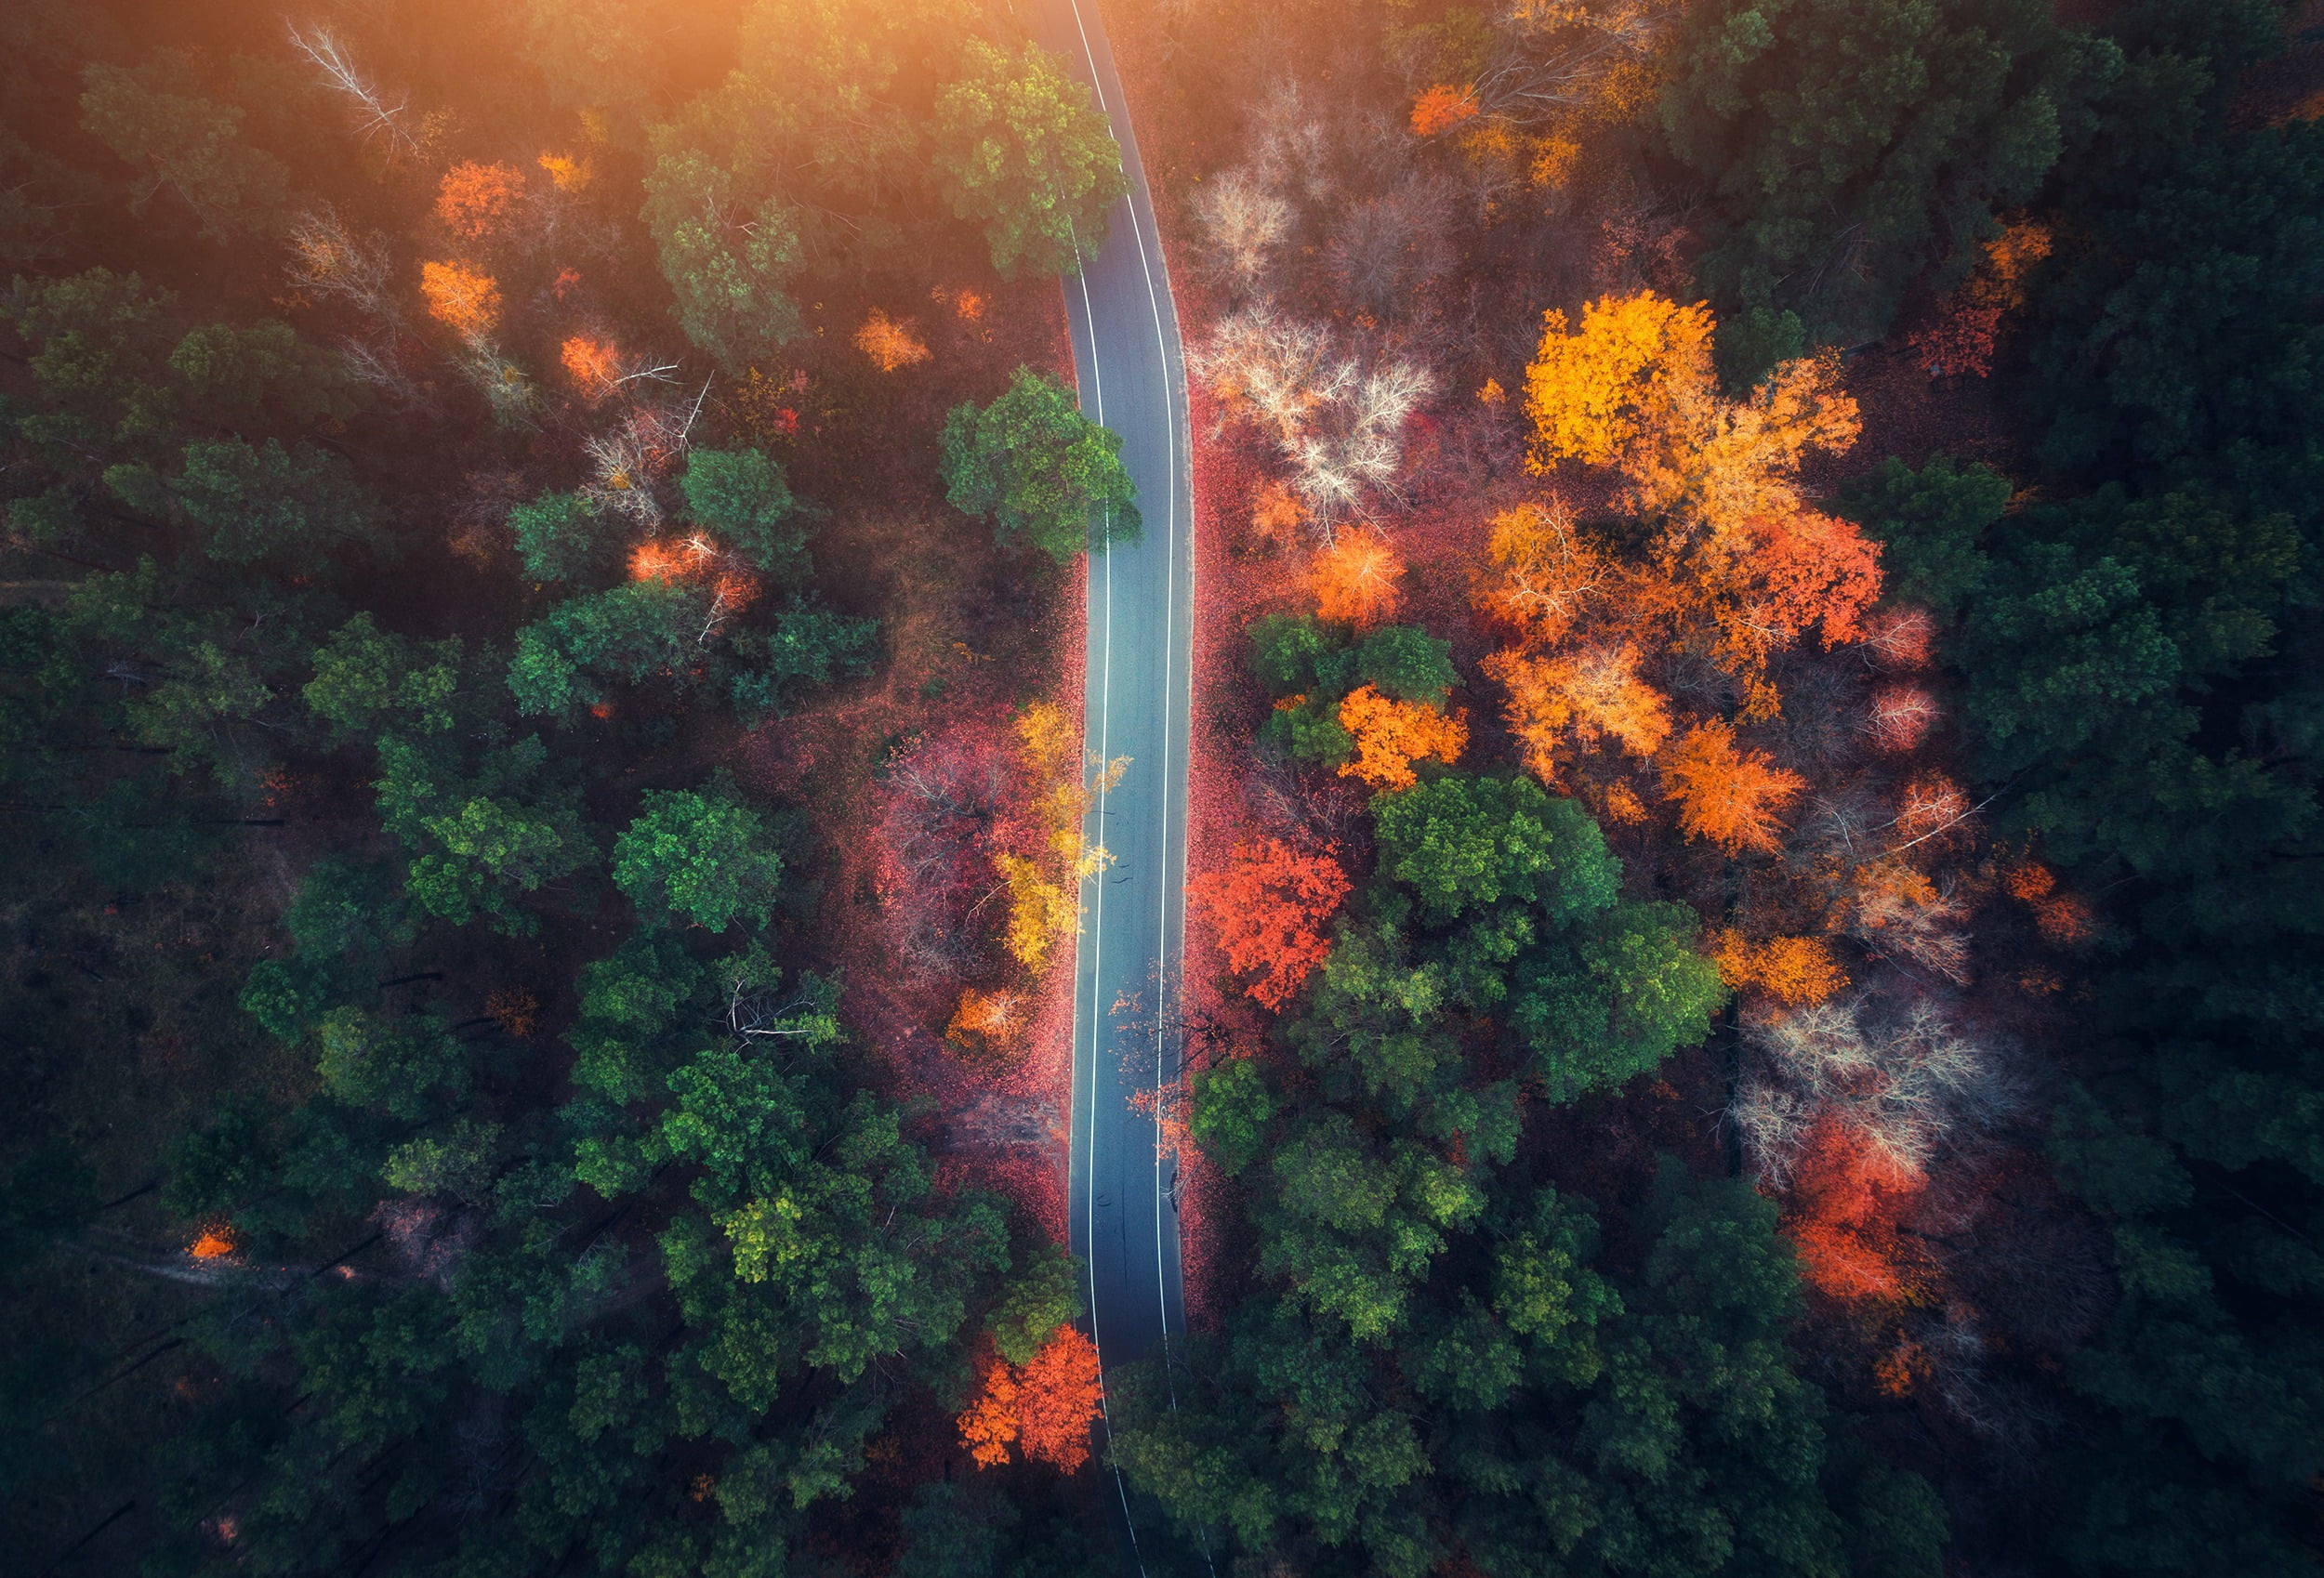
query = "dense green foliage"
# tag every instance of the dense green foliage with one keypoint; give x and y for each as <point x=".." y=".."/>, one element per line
<point x="1023" y="152"/>
<point x="402" y="1064"/>
<point x="1852" y="145"/>
<point x="2138" y="674"/>
<point x="1044" y="474"/>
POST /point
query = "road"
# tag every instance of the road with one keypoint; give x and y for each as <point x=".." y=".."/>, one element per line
<point x="1132" y="375"/>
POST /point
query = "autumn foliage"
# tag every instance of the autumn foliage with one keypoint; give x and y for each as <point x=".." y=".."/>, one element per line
<point x="1792" y="970"/>
<point x="1058" y="1396"/>
<point x="1729" y="794"/>
<point x="991" y="1023"/>
<point x="463" y="299"/>
<point x="475" y="200"/>
<point x="1961" y="339"/>
<point x="891" y="344"/>
<point x="1269" y="908"/>
<point x="215" y="1241"/>
<point x="1356" y="579"/>
<point x="1046" y="1408"/>
<point x="1849" y="1200"/>
<point x="1390" y="735"/>
<point x="989" y="1423"/>
<point x="1593" y="392"/>
<point x="594" y="365"/>
<point x="1441" y="108"/>
<point x="1576" y="701"/>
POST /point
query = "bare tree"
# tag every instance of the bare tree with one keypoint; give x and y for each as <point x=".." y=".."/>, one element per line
<point x="1339" y="424"/>
<point x="1902" y="1076"/>
<point x="1243" y="224"/>
<point x="376" y="116"/>
<point x="329" y="260"/>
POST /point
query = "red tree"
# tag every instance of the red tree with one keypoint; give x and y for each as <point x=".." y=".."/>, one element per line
<point x="1269" y="907"/>
<point x="1058" y="1395"/>
<point x="1849" y="1201"/>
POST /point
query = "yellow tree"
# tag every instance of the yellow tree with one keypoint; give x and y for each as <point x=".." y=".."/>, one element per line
<point x="1579" y="699"/>
<point x="1390" y="736"/>
<point x="1551" y="574"/>
<point x="1594" y="392"/>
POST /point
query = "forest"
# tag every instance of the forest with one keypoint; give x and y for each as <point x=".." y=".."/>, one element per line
<point x="1758" y="676"/>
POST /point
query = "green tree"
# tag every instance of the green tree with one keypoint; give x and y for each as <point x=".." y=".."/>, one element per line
<point x="293" y="506"/>
<point x="1931" y="525"/>
<point x="561" y="537"/>
<point x="1043" y="1292"/>
<point x="396" y="1065"/>
<point x="1464" y="842"/>
<point x="706" y="857"/>
<point x="231" y="375"/>
<point x="99" y="342"/>
<point x="729" y="257"/>
<point x="630" y="633"/>
<point x="368" y="680"/>
<point x="156" y="117"/>
<point x="1039" y="471"/>
<point x="479" y="838"/>
<point x="1025" y="152"/>
<point x="742" y="497"/>
<point x="1852" y="146"/>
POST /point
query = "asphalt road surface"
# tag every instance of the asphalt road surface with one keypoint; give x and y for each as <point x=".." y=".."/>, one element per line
<point x="1133" y="378"/>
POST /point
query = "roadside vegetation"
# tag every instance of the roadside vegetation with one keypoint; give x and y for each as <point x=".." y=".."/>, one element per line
<point x="478" y="559"/>
<point x="1761" y="646"/>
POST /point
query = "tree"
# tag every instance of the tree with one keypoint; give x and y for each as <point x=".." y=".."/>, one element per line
<point x="463" y="299"/>
<point x="1727" y="794"/>
<point x="743" y="497"/>
<point x="630" y="633"/>
<point x="1039" y="471"/>
<point x="989" y="1423"/>
<point x="368" y="680"/>
<point x="478" y="839"/>
<point x="1931" y="525"/>
<point x="1354" y="580"/>
<point x="1851" y="149"/>
<point x="730" y="259"/>
<point x="891" y="344"/>
<point x="1058" y="1396"/>
<point x="369" y="1062"/>
<point x="1463" y="843"/>
<point x="1044" y="1296"/>
<point x="1618" y="379"/>
<point x="1023" y="151"/>
<point x="1389" y="736"/>
<point x="99" y="340"/>
<point x="473" y="200"/>
<point x="561" y="538"/>
<point x="1269" y="906"/>
<point x="292" y="506"/>
<point x="707" y="857"/>
<point x="249" y="374"/>
<point x="156" y="117"/>
<point x="1582" y="697"/>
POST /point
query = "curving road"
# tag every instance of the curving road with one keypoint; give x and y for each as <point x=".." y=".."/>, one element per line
<point x="1133" y="378"/>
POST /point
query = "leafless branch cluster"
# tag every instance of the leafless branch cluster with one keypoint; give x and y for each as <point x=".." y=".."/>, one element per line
<point x="376" y="116"/>
<point x="1338" y="421"/>
<point x="1903" y="1077"/>
<point x="327" y="259"/>
<point x="1243" y="224"/>
<point x="507" y="388"/>
<point x="943" y="799"/>
<point x="1553" y="56"/>
<point x="1908" y="919"/>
